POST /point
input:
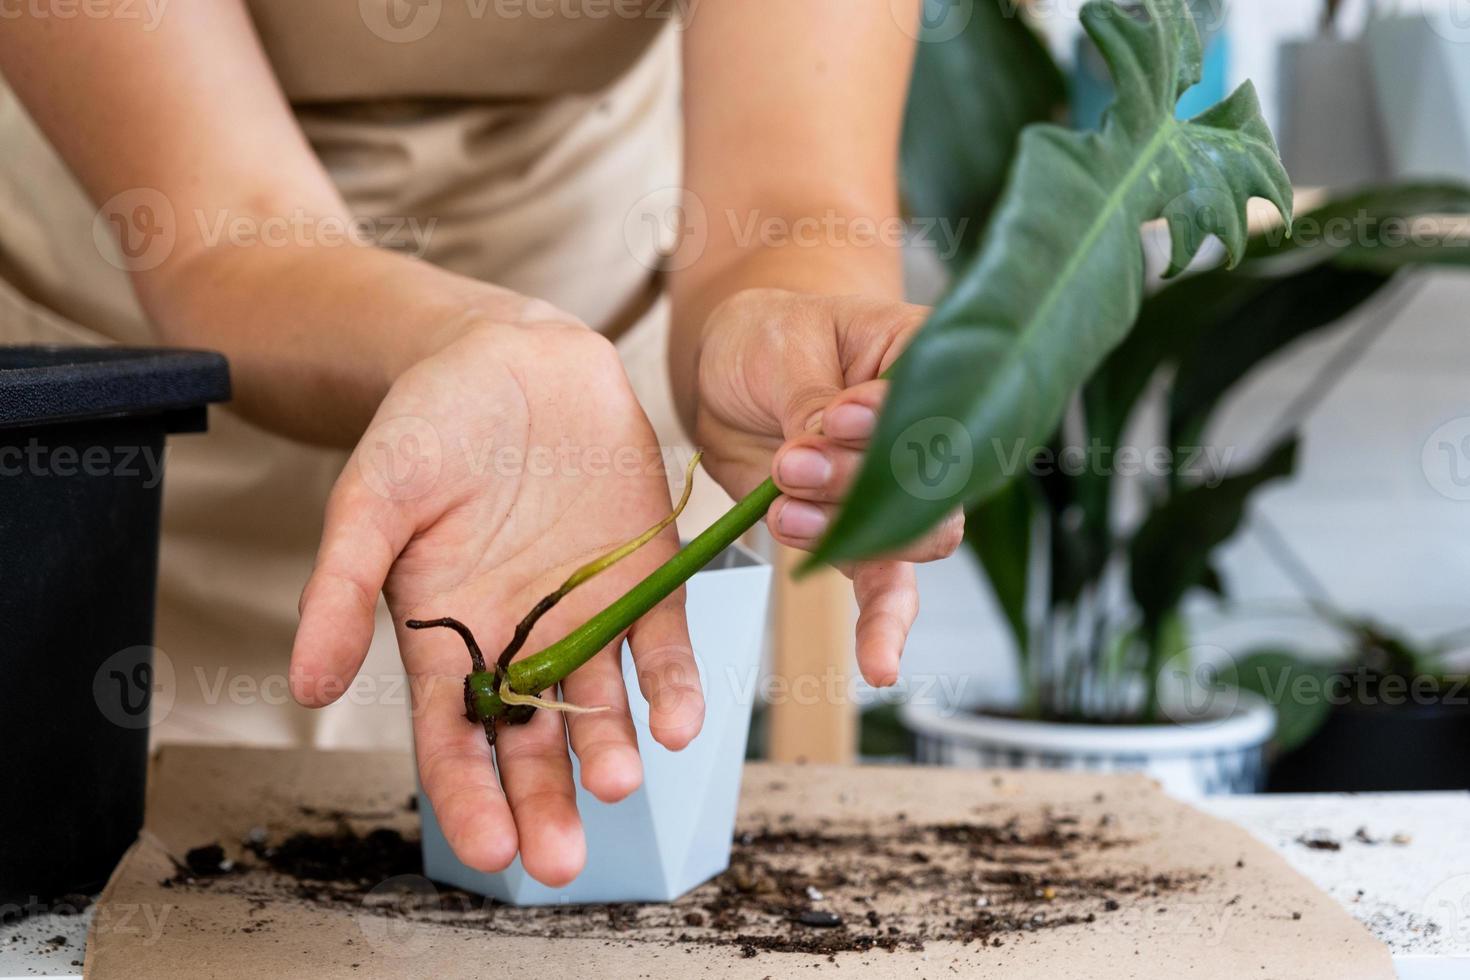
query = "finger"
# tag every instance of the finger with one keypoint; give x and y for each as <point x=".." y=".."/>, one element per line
<point x="800" y="523"/>
<point x="537" y="775"/>
<point x="888" y="602"/>
<point x="363" y="534"/>
<point x="816" y="468"/>
<point x="667" y="675"/>
<point x="458" y="774"/>
<point x="605" y="742"/>
<point x="809" y="375"/>
<point x="851" y="416"/>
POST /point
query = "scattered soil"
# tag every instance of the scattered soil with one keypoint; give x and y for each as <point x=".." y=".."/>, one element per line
<point x="818" y="888"/>
<point x="1323" y="841"/>
<point x="1319" y="842"/>
<point x="31" y="925"/>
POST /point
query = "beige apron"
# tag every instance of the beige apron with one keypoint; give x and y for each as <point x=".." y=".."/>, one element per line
<point x="527" y="140"/>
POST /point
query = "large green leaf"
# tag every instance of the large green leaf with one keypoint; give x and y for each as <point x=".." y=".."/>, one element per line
<point x="1060" y="278"/>
<point x="1170" y="552"/>
<point x="1348" y="249"/>
<point x="1219" y="325"/>
<point x="1294" y="686"/>
<point x="1267" y="316"/>
<point x="998" y="531"/>
<point x="969" y="99"/>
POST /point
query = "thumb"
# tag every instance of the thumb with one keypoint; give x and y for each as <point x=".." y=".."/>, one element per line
<point x="809" y="384"/>
<point x="364" y="532"/>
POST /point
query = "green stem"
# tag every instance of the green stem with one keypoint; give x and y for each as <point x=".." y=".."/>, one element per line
<point x="549" y="667"/>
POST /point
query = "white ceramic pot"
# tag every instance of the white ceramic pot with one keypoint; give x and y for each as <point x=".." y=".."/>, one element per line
<point x="1222" y="754"/>
<point x="674" y="833"/>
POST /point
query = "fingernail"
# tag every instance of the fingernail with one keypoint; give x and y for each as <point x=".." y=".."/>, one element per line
<point x="805" y="468"/>
<point x="850" y="422"/>
<point x="800" y="519"/>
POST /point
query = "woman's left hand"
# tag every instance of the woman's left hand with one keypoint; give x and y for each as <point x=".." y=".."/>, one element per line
<point x="788" y="386"/>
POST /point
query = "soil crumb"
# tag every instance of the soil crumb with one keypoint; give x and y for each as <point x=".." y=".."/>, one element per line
<point x="818" y="888"/>
<point x="1319" y="842"/>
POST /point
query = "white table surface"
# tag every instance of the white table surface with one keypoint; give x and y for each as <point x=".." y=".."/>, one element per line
<point x="1414" y="895"/>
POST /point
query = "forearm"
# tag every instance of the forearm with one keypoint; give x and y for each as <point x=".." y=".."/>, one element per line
<point x="316" y="335"/>
<point x="792" y="114"/>
<point x="184" y="131"/>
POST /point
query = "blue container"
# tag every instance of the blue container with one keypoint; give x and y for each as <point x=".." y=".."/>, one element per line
<point x="674" y="833"/>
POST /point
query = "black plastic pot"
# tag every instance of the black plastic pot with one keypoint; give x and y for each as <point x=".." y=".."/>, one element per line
<point x="81" y="464"/>
<point x="1389" y="745"/>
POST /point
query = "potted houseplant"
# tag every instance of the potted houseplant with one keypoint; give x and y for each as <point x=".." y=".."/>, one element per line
<point x="1054" y="286"/>
<point x="1093" y="606"/>
<point x="1094" y="600"/>
<point x="82" y="435"/>
<point x="1382" y="714"/>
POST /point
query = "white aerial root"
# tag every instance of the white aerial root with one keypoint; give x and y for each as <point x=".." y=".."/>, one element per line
<point x="511" y="697"/>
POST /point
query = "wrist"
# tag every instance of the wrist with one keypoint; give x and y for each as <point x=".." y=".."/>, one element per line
<point x="700" y="294"/>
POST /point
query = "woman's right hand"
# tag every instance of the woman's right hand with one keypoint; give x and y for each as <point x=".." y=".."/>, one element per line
<point x="491" y="471"/>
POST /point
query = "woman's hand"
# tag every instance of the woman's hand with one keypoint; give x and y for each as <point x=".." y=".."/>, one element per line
<point x="489" y="473"/>
<point x="788" y="386"/>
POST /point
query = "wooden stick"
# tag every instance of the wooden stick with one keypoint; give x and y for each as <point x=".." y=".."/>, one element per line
<point x="812" y="714"/>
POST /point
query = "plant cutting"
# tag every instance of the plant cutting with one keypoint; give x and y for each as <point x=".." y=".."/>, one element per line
<point x="1053" y="290"/>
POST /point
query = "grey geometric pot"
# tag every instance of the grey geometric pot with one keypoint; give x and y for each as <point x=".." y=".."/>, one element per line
<point x="1329" y="132"/>
<point x="674" y="832"/>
